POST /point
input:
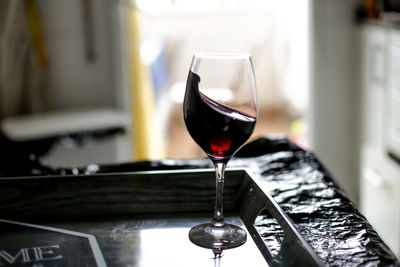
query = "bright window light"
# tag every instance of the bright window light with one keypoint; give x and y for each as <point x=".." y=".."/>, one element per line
<point x="155" y="6"/>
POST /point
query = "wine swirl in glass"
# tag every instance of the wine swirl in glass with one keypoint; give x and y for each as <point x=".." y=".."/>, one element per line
<point x="220" y="113"/>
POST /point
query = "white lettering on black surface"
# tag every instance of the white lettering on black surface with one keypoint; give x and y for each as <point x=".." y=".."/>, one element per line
<point x="43" y="253"/>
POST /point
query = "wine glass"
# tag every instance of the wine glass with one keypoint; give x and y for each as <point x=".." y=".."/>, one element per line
<point x="220" y="113"/>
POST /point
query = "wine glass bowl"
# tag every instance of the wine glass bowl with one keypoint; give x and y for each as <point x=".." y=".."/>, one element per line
<point x="220" y="113"/>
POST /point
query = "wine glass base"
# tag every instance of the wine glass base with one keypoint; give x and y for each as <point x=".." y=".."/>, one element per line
<point x="222" y="237"/>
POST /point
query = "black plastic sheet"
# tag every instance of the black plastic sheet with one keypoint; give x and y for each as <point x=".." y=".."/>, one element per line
<point x="326" y="218"/>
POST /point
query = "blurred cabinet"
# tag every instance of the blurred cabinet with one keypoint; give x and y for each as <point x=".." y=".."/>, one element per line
<point x="380" y="195"/>
<point x="373" y="65"/>
<point x="380" y="173"/>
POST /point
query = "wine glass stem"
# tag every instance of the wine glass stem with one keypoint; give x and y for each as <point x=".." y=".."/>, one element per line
<point x="218" y="219"/>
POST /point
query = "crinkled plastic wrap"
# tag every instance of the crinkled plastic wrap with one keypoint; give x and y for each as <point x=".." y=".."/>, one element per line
<point x="325" y="217"/>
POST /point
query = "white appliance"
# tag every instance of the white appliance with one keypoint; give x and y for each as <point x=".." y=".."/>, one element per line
<point x="379" y="172"/>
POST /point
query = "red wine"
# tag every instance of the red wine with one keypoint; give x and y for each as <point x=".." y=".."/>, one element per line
<point x="219" y="130"/>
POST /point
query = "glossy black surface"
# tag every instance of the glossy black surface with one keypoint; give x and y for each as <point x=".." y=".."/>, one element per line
<point x="325" y="217"/>
<point x="31" y="245"/>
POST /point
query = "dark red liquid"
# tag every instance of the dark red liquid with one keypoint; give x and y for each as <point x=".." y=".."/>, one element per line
<point x="219" y="130"/>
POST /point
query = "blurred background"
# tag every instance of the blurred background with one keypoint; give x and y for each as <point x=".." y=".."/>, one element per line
<point x="101" y="82"/>
<point x="126" y="62"/>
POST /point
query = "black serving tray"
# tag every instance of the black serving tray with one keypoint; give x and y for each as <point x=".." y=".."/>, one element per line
<point x="143" y="218"/>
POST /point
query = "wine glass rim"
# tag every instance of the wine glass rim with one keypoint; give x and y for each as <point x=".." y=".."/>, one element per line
<point x="221" y="55"/>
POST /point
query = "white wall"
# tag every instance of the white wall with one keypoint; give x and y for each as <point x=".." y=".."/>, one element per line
<point x="334" y="90"/>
